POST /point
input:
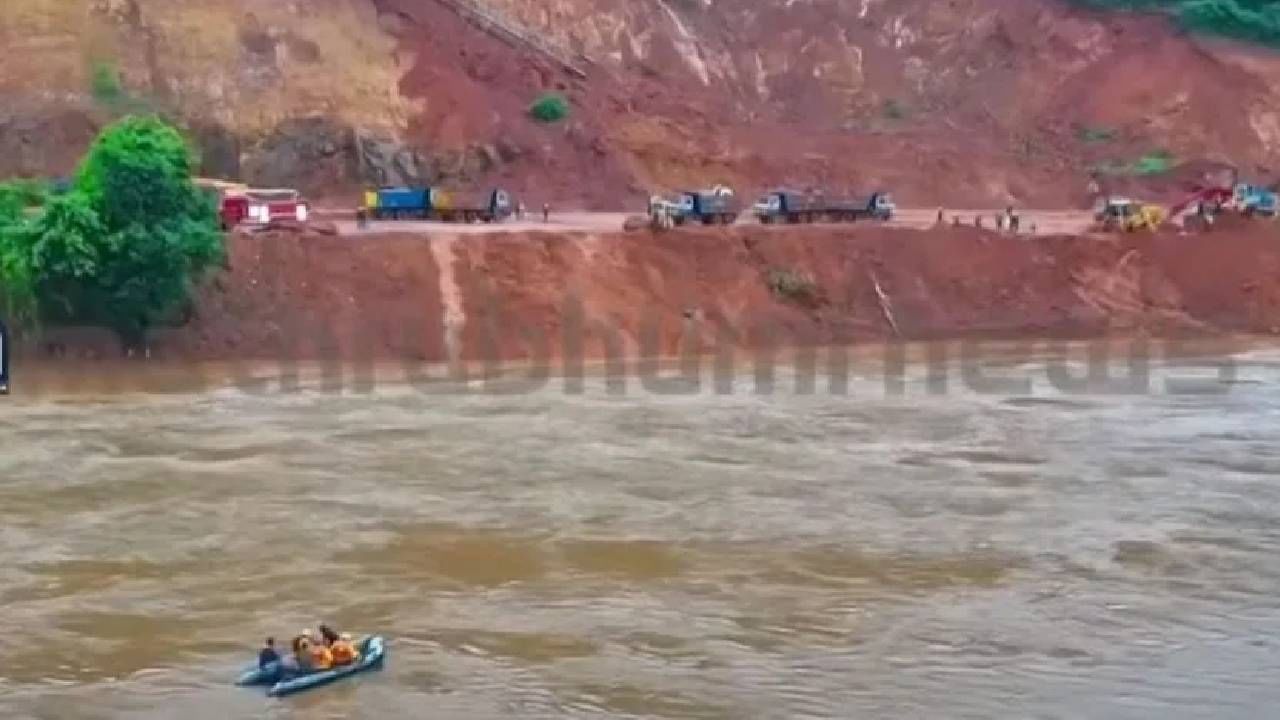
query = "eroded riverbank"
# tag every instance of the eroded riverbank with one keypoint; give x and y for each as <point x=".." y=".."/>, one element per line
<point x="541" y="296"/>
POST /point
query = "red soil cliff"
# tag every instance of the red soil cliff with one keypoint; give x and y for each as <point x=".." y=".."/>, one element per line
<point x="519" y="296"/>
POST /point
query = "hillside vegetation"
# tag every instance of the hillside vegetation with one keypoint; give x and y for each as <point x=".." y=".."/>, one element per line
<point x="1256" y="20"/>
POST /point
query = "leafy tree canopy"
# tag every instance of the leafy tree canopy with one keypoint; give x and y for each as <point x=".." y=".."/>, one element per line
<point x="125" y="246"/>
<point x="138" y="171"/>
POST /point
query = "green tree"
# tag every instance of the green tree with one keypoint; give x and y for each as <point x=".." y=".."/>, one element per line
<point x="138" y="171"/>
<point x="11" y="208"/>
<point x="125" y="247"/>
<point x="1256" y="20"/>
<point x="17" y="296"/>
<point x="18" y="195"/>
<point x="60" y="253"/>
<point x="17" y="292"/>
<point x="147" y="275"/>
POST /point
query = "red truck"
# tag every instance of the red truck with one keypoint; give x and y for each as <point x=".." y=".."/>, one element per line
<point x="241" y="205"/>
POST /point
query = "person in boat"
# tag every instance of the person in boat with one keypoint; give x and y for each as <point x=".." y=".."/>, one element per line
<point x="302" y="652"/>
<point x="268" y="654"/>
<point x="344" y="652"/>
<point x="320" y="655"/>
<point x="328" y="635"/>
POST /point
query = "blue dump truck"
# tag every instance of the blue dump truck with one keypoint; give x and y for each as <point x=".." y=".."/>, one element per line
<point x="429" y="203"/>
<point x="1255" y="200"/>
<point x="786" y="206"/>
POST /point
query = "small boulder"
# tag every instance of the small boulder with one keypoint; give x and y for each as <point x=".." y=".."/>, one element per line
<point x="635" y="223"/>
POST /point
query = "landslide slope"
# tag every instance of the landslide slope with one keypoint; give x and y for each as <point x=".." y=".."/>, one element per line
<point x="962" y="102"/>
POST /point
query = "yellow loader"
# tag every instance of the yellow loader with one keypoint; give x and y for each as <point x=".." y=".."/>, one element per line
<point x="1124" y="215"/>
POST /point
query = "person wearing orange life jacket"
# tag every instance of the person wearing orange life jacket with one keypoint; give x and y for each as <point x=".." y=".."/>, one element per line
<point x="319" y="655"/>
<point x="344" y="653"/>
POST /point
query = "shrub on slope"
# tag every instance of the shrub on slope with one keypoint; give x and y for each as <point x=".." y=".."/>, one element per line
<point x="1255" y="20"/>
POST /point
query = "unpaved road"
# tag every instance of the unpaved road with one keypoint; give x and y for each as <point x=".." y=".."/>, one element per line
<point x="1058" y="222"/>
<point x="1054" y="222"/>
<point x="559" y="222"/>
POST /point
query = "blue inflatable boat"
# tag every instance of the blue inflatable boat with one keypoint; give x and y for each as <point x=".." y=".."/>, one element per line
<point x="373" y="650"/>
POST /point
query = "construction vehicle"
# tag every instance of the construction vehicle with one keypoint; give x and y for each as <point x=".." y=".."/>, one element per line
<point x="1120" y="214"/>
<point x="1198" y="210"/>
<point x="239" y="204"/>
<point x="1252" y="200"/>
<point x="879" y="206"/>
<point x="261" y="207"/>
<point x="662" y="213"/>
<point x="793" y="207"/>
<point x="716" y="206"/>
<point x="1209" y="202"/>
<point x="430" y="203"/>
<point x="228" y="197"/>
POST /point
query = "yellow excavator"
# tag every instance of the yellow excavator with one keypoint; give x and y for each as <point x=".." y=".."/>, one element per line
<point x="1118" y="214"/>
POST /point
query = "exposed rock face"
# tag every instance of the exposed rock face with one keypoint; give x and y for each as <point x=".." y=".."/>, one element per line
<point x="308" y="152"/>
<point x="946" y="102"/>
<point x="384" y="161"/>
<point x="241" y="73"/>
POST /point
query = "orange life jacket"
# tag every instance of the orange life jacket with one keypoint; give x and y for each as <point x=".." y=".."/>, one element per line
<point x="343" y="653"/>
<point x="321" y="658"/>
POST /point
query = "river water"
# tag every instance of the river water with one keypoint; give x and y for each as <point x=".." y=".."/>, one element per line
<point x="882" y="553"/>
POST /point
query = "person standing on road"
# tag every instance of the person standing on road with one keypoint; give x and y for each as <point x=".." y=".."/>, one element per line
<point x="1093" y="189"/>
<point x="546" y="212"/>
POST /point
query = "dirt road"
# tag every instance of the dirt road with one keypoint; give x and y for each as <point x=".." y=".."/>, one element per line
<point x="559" y="223"/>
<point x="1053" y="222"/>
<point x="1058" y="222"/>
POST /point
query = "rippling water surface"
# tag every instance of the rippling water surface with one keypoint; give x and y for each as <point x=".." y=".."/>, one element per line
<point x="697" y="556"/>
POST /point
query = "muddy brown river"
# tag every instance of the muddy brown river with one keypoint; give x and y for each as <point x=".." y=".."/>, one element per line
<point x="1047" y="553"/>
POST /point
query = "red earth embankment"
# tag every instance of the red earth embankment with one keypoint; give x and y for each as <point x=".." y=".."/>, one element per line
<point x="524" y="296"/>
